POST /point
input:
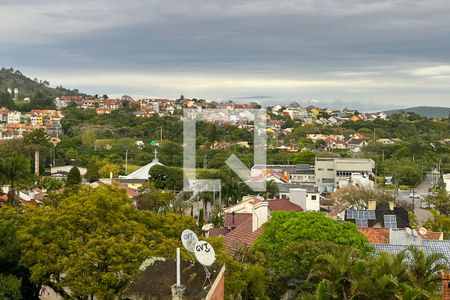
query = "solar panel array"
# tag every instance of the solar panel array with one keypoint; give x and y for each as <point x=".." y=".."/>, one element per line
<point x="362" y="222"/>
<point x="360" y="214"/>
<point x="390" y="221"/>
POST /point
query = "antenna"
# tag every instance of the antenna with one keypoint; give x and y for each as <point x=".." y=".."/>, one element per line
<point x="415" y="234"/>
<point x="423" y="231"/>
<point x="189" y="239"/>
<point x="205" y="255"/>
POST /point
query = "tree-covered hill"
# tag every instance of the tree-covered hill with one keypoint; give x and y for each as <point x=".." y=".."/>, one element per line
<point x="12" y="79"/>
<point x="423" y="111"/>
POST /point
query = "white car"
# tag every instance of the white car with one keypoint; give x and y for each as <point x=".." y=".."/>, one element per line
<point x="415" y="196"/>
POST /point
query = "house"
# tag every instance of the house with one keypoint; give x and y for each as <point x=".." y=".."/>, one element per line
<point x="243" y="221"/>
<point x="356" y="145"/>
<point x="390" y="236"/>
<point x="384" y="216"/>
<point x="312" y="194"/>
<point x="163" y="286"/>
<point x="103" y="111"/>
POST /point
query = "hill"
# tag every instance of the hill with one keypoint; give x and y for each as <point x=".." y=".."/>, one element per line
<point x="424" y="111"/>
<point x="12" y="79"/>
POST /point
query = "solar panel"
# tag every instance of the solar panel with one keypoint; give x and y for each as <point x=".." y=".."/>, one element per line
<point x="362" y="223"/>
<point x="390" y="221"/>
<point x="351" y="214"/>
<point x="360" y="214"/>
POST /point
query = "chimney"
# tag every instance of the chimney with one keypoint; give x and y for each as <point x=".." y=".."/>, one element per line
<point x="445" y="286"/>
<point x="298" y="196"/>
<point x="232" y="215"/>
<point x="391" y="205"/>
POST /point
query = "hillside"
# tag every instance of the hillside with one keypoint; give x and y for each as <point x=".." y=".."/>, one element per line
<point x="424" y="111"/>
<point x="11" y="79"/>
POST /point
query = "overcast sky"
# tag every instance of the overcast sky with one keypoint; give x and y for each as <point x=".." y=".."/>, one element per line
<point x="363" y="54"/>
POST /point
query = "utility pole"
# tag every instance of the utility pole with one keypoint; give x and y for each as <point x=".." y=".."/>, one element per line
<point x="161" y="136"/>
<point x="126" y="162"/>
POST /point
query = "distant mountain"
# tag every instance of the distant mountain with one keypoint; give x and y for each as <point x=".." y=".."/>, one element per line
<point x="424" y="111"/>
<point x="14" y="79"/>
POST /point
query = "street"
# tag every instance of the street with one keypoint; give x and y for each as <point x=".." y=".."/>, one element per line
<point x="422" y="215"/>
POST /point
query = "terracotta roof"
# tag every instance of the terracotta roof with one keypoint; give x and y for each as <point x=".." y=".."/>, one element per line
<point x="375" y="235"/>
<point x="433" y="235"/>
<point x="218" y="232"/>
<point x="241" y="236"/>
<point x="239" y="218"/>
<point x="283" y="205"/>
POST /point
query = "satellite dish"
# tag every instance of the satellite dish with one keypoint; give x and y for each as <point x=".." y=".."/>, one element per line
<point x="423" y="231"/>
<point x="408" y="230"/>
<point x="205" y="253"/>
<point x="189" y="239"/>
<point x="414" y="232"/>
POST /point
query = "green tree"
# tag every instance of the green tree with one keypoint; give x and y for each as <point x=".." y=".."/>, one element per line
<point x="74" y="177"/>
<point x="10" y="288"/>
<point x="150" y="198"/>
<point x="287" y="228"/>
<point x="304" y="157"/>
<point x="167" y="178"/>
<point x="6" y="101"/>
<point x="442" y="201"/>
<point x="14" y="170"/>
<point x="93" y="242"/>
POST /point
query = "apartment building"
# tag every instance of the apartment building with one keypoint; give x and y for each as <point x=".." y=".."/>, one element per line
<point x="334" y="173"/>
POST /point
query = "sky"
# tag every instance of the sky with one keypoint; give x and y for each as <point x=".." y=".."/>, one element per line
<point x="366" y="54"/>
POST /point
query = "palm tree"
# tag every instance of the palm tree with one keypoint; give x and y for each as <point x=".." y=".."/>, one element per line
<point x="14" y="169"/>
<point x="424" y="270"/>
<point x="335" y="273"/>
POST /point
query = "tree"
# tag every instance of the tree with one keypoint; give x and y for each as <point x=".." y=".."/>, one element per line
<point x="6" y="101"/>
<point x="11" y="220"/>
<point x="93" y="242"/>
<point x="74" y="177"/>
<point x="442" y="201"/>
<point x="167" y="178"/>
<point x="14" y="170"/>
<point x="153" y="199"/>
<point x="304" y="157"/>
<point x="358" y="197"/>
<point x="10" y="287"/>
<point x="287" y="228"/>
<point x="424" y="270"/>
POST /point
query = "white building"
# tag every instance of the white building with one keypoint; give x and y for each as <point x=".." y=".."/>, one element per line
<point x="13" y="117"/>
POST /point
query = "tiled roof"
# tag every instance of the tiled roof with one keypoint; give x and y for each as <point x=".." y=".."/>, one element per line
<point x="283" y="205"/>
<point x="432" y="235"/>
<point x="218" y="232"/>
<point x="238" y="219"/>
<point x="428" y="246"/>
<point x="241" y="236"/>
<point x="376" y="235"/>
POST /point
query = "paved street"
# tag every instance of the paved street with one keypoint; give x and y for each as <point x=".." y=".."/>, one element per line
<point x="422" y="215"/>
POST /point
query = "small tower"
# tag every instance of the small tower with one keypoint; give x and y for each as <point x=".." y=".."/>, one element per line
<point x="16" y="94"/>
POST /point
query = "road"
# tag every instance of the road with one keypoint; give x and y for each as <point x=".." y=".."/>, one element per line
<point x="422" y="215"/>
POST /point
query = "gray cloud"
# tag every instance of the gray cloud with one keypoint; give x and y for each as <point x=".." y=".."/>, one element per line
<point x="364" y="53"/>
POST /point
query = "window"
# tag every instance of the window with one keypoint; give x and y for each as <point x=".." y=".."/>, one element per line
<point x="330" y="170"/>
<point x="313" y="197"/>
<point x="320" y="169"/>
